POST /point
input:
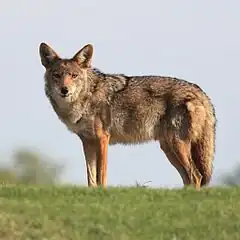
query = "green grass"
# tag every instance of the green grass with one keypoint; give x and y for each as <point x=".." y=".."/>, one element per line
<point x="118" y="213"/>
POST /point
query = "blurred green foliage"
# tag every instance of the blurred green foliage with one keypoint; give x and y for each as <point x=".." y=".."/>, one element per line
<point x="31" y="168"/>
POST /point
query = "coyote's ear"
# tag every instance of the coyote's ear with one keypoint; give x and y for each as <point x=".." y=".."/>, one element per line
<point x="47" y="54"/>
<point x="84" y="56"/>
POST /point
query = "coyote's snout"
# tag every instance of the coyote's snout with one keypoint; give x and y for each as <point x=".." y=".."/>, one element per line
<point x="105" y="109"/>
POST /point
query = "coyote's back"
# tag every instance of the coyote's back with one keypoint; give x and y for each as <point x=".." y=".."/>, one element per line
<point x="133" y="109"/>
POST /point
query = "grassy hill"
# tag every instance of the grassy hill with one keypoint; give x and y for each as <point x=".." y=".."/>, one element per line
<point x="118" y="213"/>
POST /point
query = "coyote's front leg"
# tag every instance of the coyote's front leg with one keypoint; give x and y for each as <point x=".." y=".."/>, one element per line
<point x="103" y="137"/>
<point x="89" y="148"/>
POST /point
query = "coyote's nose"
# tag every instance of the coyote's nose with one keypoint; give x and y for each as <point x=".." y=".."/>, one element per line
<point x="64" y="90"/>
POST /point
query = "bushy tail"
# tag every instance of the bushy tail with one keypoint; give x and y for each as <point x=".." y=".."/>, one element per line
<point x="204" y="148"/>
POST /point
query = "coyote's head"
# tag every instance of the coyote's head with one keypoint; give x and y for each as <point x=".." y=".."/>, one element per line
<point x="66" y="79"/>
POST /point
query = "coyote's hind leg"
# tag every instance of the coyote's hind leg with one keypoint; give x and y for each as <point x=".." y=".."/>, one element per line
<point x="175" y="137"/>
<point x="182" y="150"/>
<point x="173" y="159"/>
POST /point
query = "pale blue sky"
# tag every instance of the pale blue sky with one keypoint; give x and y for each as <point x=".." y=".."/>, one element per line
<point x="195" y="40"/>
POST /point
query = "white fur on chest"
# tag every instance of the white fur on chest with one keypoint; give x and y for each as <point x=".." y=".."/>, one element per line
<point x="83" y="127"/>
<point x="75" y="117"/>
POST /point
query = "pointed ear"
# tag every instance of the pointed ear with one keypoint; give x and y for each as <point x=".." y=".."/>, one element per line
<point x="47" y="54"/>
<point x="84" y="56"/>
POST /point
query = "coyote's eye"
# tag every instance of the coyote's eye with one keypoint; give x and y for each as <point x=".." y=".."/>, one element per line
<point x="56" y="75"/>
<point x="74" y="75"/>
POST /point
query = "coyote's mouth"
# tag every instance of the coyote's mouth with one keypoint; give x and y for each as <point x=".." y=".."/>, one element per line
<point x="65" y="95"/>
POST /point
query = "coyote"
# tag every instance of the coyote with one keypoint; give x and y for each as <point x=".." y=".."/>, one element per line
<point x="106" y="109"/>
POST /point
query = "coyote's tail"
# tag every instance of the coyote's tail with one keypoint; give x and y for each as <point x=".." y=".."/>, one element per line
<point x="204" y="148"/>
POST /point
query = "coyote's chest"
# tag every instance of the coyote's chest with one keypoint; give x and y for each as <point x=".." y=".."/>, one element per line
<point x="76" y="118"/>
<point x="84" y="127"/>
